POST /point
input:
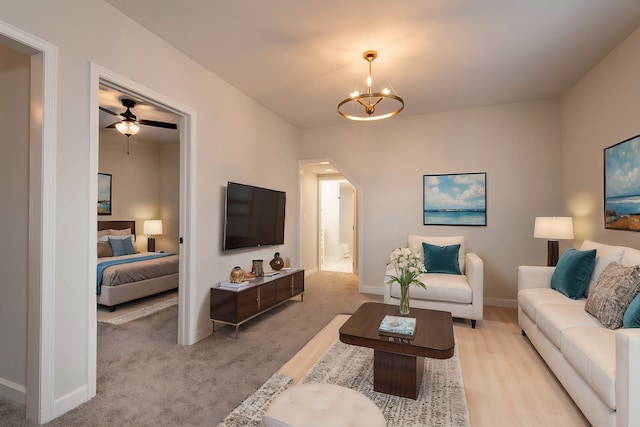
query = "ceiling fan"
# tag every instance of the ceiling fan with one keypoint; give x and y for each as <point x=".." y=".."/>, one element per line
<point x="129" y="124"/>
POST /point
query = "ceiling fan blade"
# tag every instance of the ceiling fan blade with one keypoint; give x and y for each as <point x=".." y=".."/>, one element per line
<point x="158" y="124"/>
<point x="109" y="111"/>
<point x="111" y="126"/>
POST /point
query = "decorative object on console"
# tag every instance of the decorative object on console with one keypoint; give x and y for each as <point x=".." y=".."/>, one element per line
<point x="104" y="194"/>
<point x="256" y="268"/>
<point x="553" y="228"/>
<point x="362" y="106"/>
<point x="277" y="263"/>
<point x="621" y="189"/>
<point x="237" y="275"/>
<point x="455" y="199"/>
<point x="408" y="268"/>
<point x="152" y="227"/>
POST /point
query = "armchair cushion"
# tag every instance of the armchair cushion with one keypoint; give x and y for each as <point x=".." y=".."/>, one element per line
<point x="441" y="259"/>
<point x="415" y="242"/>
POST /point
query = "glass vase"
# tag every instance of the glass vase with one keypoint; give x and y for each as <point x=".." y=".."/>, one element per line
<point x="404" y="300"/>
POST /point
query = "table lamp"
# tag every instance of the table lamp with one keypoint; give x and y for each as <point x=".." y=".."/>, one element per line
<point x="553" y="228"/>
<point x="152" y="227"/>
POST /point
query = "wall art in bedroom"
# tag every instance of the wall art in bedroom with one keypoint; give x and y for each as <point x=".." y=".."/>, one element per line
<point x="622" y="185"/>
<point x="104" y="194"/>
<point x="455" y="199"/>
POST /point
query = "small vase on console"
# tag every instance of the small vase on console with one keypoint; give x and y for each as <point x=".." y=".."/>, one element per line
<point x="277" y="263"/>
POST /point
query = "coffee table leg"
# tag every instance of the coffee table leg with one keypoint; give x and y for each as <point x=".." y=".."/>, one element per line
<point x="397" y="374"/>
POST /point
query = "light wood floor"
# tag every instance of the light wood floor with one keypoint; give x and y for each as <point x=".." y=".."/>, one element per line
<point x="505" y="380"/>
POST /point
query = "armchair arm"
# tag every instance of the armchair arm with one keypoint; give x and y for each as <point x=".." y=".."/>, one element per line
<point x="627" y="376"/>
<point x="474" y="270"/>
<point x="530" y="276"/>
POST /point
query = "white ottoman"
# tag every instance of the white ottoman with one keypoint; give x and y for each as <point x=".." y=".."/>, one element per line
<point x="322" y="405"/>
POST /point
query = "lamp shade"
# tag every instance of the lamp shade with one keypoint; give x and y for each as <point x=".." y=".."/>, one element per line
<point x="553" y="227"/>
<point x="153" y="227"/>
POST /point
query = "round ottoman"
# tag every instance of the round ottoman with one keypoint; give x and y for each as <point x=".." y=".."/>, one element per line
<point x="322" y="405"/>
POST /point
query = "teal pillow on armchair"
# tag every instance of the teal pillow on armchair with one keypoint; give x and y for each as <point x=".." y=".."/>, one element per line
<point x="441" y="259"/>
<point x="573" y="271"/>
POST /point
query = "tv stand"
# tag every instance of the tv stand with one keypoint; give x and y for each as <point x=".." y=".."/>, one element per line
<point x="234" y="307"/>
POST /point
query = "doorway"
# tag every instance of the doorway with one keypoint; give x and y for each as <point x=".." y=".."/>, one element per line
<point x="337" y="201"/>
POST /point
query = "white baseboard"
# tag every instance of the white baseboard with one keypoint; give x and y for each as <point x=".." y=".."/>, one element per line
<point x="501" y="302"/>
<point x="14" y="392"/>
<point x="310" y="271"/>
<point x="70" y="401"/>
<point x="376" y="290"/>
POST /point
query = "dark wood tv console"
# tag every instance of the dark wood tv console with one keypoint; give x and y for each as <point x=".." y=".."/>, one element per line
<point x="233" y="307"/>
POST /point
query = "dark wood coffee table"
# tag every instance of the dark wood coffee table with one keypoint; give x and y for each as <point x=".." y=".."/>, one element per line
<point x="398" y="363"/>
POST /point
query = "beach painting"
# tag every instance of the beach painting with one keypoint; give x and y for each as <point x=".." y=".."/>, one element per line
<point x="104" y="194"/>
<point x="455" y="199"/>
<point x="622" y="185"/>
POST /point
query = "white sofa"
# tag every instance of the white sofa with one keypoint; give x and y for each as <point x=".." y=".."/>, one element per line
<point x="459" y="294"/>
<point x="598" y="367"/>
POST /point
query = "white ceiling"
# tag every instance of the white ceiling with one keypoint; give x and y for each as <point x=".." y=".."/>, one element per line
<point x="299" y="58"/>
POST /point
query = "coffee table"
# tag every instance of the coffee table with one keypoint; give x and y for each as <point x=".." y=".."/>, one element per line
<point x="398" y="363"/>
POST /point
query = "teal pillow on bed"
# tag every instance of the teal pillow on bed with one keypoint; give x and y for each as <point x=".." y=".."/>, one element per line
<point x="441" y="259"/>
<point x="122" y="246"/>
<point x="573" y="271"/>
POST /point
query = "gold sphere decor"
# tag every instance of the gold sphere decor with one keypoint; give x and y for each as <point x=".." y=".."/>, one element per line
<point x="237" y="275"/>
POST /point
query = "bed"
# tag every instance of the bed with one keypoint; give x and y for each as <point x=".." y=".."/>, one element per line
<point x="123" y="276"/>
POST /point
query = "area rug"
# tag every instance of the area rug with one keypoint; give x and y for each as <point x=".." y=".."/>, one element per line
<point x="141" y="312"/>
<point x="441" y="400"/>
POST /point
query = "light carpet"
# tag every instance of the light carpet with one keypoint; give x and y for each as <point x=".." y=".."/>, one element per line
<point x="441" y="401"/>
<point x="141" y="312"/>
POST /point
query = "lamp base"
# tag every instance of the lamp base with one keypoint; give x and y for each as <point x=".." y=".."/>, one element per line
<point x="552" y="253"/>
<point x="151" y="244"/>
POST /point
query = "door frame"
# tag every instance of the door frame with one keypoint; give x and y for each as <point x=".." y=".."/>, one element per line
<point x="187" y="313"/>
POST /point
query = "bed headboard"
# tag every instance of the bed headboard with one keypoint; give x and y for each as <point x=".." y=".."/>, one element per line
<point x="117" y="225"/>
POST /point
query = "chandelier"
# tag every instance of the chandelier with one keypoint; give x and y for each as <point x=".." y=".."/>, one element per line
<point x="370" y="105"/>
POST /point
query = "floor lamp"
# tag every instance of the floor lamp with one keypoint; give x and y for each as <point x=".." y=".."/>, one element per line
<point x="553" y="228"/>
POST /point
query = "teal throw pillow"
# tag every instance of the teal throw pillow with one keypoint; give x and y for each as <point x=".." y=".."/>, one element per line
<point x="631" y="317"/>
<point x="122" y="246"/>
<point x="441" y="259"/>
<point x="573" y="271"/>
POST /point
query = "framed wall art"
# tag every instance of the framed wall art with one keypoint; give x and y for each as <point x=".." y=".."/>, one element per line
<point x="104" y="194"/>
<point x="455" y="199"/>
<point x="622" y="185"/>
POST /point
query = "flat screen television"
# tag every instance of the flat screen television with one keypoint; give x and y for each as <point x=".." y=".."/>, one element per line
<point x="254" y="216"/>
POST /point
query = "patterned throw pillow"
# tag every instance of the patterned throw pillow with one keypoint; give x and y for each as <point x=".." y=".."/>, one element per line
<point x="612" y="294"/>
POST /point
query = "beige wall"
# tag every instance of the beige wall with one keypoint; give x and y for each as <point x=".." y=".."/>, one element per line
<point x="14" y="227"/>
<point x="517" y="145"/>
<point x="599" y="111"/>
<point x="145" y="185"/>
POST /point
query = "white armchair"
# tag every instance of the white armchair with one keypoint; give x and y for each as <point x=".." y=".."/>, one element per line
<point x="459" y="294"/>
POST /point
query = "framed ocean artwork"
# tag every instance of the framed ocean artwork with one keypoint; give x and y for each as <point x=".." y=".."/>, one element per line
<point x="455" y="199"/>
<point x="622" y="185"/>
<point x="104" y="194"/>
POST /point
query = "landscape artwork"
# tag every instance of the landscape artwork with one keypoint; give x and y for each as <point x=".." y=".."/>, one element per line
<point x="622" y="185"/>
<point x="455" y="199"/>
<point x="104" y="194"/>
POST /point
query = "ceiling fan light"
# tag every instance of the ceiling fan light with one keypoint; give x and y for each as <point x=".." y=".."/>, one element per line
<point x="127" y="128"/>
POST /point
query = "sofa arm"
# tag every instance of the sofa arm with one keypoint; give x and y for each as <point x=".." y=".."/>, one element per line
<point x="532" y="276"/>
<point x="474" y="270"/>
<point x="627" y="376"/>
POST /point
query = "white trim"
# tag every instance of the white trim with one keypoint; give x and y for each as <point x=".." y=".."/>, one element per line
<point x="41" y="307"/>
<point x="187" y="316"/>
<point x="501" y="302"/>
<point x="70" y="401"/>
<point x="15" y="392"/>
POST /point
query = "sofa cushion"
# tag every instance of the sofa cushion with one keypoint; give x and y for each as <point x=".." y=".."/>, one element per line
<point x="441" y="259"/>
<point x="572" y="272"/>
<point x="440" y="287"/>
<point x="605" y="255"/>
<point x="631" y="257"/>
<point x="631" y="317"/>
<point x="554" y="319"/>
<point x="616" y="287"/>
<point x="592" y="353"/>
<point x="415" y="243"/>
<point x="529" y="299"/>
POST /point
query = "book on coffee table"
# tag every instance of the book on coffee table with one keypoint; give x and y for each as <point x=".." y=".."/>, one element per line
<point x="398" y="326"/>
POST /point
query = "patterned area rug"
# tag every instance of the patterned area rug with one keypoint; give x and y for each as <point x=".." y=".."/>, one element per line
<point x="441" y="401"/>
<point x="142" y="312"/>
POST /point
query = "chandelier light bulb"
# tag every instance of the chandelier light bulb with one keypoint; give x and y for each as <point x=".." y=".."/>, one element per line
<point x="386" y="91"/>
<point x="354" y="94"/>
